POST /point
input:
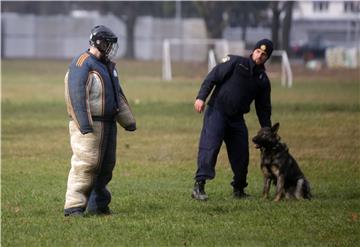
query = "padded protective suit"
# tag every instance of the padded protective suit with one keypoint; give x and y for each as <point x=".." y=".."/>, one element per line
<point x="95" y="101"/>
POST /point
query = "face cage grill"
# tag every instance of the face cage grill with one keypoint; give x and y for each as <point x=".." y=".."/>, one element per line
<point x="108" y="49"/>
<point x="111" y="50"/>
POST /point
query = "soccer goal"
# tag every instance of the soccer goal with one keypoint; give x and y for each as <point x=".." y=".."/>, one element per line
<point x="196" y="50"/>
<point x="211" y="50"/>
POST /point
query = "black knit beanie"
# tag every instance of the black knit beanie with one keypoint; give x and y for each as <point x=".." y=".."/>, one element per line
<point x="266" y="46"/>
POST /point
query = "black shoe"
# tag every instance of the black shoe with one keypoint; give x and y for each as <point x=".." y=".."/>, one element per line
<point x="199" y="191"/>
<point x="74" y="212"/>
<point x="239" y="193"/>
<point x="100" y="211"/>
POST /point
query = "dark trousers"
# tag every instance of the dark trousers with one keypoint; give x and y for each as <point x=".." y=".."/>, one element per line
<point x="217" y="128"/>
<point x="100" y="196"/>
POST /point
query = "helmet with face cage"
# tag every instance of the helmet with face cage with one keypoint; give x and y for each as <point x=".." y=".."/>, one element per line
<point x="104" y="40"/>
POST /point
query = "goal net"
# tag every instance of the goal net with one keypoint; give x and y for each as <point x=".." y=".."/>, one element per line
<point x="208" y="52"/>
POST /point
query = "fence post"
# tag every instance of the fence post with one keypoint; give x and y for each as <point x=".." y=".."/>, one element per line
<point x="286" y="70"/>
<point x="211" y="60"/>
<point x="166" y="66"/>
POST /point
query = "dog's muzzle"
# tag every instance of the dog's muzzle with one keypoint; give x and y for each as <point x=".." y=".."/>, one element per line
<point x="255" y="143"/>
<point x="257" y="146"/>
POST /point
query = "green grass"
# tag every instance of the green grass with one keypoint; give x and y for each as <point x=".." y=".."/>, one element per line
<point x="152" y="182"/>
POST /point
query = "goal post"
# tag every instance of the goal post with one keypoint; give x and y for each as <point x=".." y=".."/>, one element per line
<point x="286" y="72"/>
<point x="166" y="64"/>
<point x="211" y="60"/>
<point x="168" y="45"/>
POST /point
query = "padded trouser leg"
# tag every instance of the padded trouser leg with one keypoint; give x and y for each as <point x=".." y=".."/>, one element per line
<point x="84" y="164"/>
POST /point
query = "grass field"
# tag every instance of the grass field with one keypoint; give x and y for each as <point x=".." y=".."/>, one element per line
<point x="320" y="122"/>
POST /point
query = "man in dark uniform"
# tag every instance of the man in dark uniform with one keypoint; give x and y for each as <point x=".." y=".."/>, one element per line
<point x="95" y="101"/>
<point x="237" y="81"/>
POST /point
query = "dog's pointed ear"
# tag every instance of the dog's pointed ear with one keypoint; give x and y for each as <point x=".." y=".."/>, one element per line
<point x="275" y="128"/>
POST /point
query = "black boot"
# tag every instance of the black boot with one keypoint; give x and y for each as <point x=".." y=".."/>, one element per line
<point x="199" y="191"/>
<point x="75" y="212"/>
<point x="239" y="193"/>
<point x="238" y="190"/>
<point x="100" y="211"/>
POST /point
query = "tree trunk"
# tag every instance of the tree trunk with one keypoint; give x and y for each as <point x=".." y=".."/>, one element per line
<point x="244" y="27"/>
<point x="213" y="17"/>
<point x="275" y="24"/>
<point x="287" y="26"/>
<point x="130" y="37"/>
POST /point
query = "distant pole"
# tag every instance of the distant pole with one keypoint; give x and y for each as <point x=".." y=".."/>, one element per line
<point x="178" y="10"/>
<point x="348" y="32"/>
<point x="179" y="26"/>
<point x="3" y="38"/>
<point x="357" y="32"/>
<point x="166" y="66"/>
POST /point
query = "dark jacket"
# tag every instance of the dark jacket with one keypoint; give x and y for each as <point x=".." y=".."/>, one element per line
<point x="238" y="81"/>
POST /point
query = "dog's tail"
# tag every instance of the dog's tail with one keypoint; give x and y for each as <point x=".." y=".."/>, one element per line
<point x="306" y="190"/>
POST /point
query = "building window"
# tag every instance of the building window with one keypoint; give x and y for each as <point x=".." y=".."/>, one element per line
<point x="320" y="6"/>
<point x="351" y="7"/>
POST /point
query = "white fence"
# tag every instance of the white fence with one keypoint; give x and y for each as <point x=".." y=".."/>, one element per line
<point x="340" y="57"/>
<point x="151" y="32"/>
<point x="29" y="36"/>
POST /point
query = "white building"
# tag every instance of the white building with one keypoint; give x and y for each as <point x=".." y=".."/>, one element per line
<point x="322" y="23"/>
<point x="326" y="22"/>
<point x="325" y="10"/>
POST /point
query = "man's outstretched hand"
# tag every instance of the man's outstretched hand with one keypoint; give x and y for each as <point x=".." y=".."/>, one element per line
<point x="199" y="105"/>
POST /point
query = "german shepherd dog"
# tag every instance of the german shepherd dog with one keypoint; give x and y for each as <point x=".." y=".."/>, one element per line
<point x="280" y="167"/>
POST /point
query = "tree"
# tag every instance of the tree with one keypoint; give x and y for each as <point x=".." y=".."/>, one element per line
<point x="214" y="15"/>
<point x="128" y="12"/>
<point x="275" y="24"/>
<point x="287" y="23"/>
<point x="284" y="26"/>
<point x="219" y="15"/>
<point x="248" y="13"/>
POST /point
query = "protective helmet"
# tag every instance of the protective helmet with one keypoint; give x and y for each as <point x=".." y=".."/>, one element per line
<point x="104" y="40"/>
